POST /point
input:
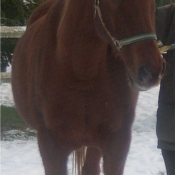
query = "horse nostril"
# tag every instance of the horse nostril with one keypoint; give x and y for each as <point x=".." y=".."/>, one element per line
<point x="145" y="74"/>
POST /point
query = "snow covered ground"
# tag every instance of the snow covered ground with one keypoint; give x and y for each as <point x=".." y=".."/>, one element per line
<point x="21" y="157"/>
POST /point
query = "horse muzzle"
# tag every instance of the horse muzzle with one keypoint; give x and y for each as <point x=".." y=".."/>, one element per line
<point x="146" y="78"/>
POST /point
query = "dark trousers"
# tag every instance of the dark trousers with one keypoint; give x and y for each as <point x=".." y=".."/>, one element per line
<point x="169" y="159"/>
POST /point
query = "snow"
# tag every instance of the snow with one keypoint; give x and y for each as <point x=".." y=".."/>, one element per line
<point x="6" y="97"/>
<point x="21" y="157"/>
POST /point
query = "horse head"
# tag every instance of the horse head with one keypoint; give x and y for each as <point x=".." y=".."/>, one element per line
<point x="132" y="32"/>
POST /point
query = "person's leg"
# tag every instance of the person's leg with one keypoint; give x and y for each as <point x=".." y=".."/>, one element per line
<point x="169" y="159"/>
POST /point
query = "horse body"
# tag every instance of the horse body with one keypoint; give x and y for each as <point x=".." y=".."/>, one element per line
<point x="72" y="85"/>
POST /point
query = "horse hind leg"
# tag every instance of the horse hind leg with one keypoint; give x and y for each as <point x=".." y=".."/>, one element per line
<point x="92" y="162"/>
<point x="54" y="155"/>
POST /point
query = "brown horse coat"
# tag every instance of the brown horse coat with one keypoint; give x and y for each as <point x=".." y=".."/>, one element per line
<point x="74" y="87"/>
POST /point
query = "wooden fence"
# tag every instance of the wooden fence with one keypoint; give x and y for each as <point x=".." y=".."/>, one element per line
<point x="5" y="77"/>
<point x="10" y="32"/>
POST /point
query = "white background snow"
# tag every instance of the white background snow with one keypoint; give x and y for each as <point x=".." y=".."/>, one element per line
<point x="21" y="157"/>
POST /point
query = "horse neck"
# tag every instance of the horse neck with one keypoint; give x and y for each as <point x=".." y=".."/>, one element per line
<point x="78" y="40"/>
<point x="76" y="11"/>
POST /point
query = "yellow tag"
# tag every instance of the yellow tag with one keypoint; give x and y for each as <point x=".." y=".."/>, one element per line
<point x="164" y="49"/>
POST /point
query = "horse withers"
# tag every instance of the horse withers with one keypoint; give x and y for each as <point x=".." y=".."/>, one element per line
<point x="76" y="74"/>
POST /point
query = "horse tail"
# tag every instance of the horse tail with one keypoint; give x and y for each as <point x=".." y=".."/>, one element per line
<point x="79" y="157"/>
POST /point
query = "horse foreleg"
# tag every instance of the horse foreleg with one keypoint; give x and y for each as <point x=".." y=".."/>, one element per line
<point x="92" y="163"/>
<point x="116" y="152"/>
<point x="53" y="154"/>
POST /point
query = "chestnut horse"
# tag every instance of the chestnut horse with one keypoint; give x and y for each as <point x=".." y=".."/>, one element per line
<point x="76" y="74"/>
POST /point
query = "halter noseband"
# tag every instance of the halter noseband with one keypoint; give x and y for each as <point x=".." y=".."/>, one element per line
<point x="123" y="42"/>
